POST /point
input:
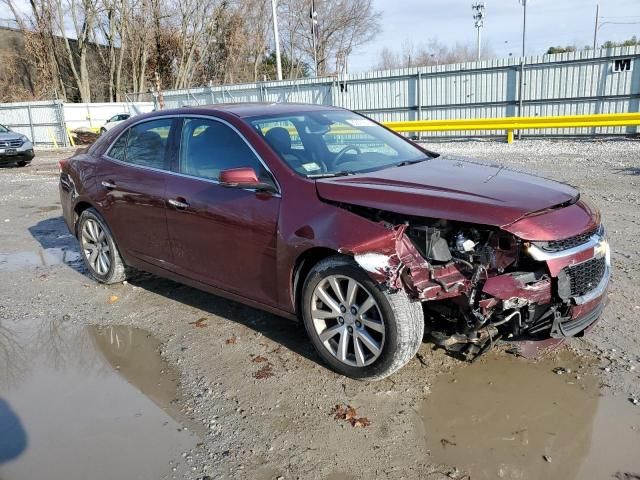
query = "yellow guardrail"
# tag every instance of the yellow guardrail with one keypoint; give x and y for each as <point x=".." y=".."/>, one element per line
<point x="509" y="124"/>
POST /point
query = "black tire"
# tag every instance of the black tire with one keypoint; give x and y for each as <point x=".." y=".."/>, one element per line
<point x="117" y="271"/>
<point x="403" y="320"/>
<point x="22" y="163"/>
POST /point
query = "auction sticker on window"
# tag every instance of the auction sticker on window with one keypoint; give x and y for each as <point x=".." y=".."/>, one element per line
<point x="311" y="167"/>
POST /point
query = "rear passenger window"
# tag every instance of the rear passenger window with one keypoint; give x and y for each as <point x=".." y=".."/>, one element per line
<point x="119" y="149"/>
<point x="209" y="146"/>
<point x="143" y="144"/>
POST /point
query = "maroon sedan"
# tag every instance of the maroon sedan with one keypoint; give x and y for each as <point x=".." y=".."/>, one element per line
<point x="321" y="214"/>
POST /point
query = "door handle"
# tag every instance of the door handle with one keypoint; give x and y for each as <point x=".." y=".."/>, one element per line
<point x="180" y="204"/>
<point x="108" y="185"/>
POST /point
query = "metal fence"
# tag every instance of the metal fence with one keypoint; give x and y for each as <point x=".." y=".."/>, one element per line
<point x="577" y="83"/>
<point x="42" y="122"/>
<point x="46" y="123"/>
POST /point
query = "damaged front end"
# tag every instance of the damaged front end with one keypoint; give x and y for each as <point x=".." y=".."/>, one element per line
<point x="480" y="284"/>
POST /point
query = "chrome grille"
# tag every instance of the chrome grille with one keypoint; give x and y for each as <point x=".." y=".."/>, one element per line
<point x="586" y="276"/>
<point x="13" y="143"/>
<point x="566" y="243"/>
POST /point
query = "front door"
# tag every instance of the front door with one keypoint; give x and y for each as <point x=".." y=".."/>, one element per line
<point x="132" y="176"/>
<point x="224" y="237"/>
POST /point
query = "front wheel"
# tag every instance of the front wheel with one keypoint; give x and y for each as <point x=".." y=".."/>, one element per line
<point x="361" y="331"/>
<point x="98" y="248"/>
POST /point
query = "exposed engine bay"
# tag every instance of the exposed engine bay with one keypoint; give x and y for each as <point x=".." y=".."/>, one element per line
<point x="481" y="284"/>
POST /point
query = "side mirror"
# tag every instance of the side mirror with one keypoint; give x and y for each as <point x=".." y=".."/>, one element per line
<point x="243" y="177"/>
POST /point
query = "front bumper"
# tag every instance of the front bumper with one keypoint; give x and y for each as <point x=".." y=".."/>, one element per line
<point x="565" y="300"/>
<point x="12" y="155"/>
<point x="569" y="268"/>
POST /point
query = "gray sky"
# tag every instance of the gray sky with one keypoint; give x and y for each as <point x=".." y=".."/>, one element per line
<point x="549" y="22"/>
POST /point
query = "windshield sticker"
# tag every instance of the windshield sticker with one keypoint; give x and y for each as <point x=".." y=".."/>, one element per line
<point x="311" y="167"/>
<point x="360" y="122"/>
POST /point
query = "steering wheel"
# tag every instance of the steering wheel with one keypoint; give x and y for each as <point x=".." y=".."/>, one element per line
<point x="338" y="159"/>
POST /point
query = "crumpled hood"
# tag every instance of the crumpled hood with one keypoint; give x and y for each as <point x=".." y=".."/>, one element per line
<point x="453" y="189"/>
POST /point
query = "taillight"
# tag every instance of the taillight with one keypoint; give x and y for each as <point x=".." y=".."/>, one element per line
<point x="62" y="164"/>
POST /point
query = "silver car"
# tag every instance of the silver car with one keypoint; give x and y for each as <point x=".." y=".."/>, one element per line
<point x="113" y="121"/>
<point x="15" y="148"/>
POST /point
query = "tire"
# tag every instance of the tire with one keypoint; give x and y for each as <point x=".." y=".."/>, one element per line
<point x="22" y="163"/>
<point x="93" y="231"/>
<point x="398" y="321"/>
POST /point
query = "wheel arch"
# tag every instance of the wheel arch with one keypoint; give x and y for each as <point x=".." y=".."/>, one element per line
<point x="78" y="208"/>
<point x="303" y="265"/>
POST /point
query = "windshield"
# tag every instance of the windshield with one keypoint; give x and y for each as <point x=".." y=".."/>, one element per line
<point x="330" y="143"/>
<point x="3" y="129"/>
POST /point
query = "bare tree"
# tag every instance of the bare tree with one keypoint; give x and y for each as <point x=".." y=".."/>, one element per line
<point x="342" y="26"/>
<point x="431" y="53"/>
<point x="99" y="49"/>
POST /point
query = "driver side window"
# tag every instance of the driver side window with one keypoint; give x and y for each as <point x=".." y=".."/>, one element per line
<point x="209" y="146"/>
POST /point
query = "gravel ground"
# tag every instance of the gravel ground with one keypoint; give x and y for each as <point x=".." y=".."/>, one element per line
<point x="252" y="380"/>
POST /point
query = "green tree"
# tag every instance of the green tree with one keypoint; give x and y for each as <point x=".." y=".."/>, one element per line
<point x="568" y="48"/>
<point x="268" y="67"/>
<point x="626" y="43"/>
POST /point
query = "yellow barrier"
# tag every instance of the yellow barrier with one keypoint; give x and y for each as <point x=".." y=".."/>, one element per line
<point x="518" y="123"/>
<point x="71" y="140"/>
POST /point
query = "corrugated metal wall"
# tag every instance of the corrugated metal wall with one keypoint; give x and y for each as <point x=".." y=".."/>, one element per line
<point x="566" y="84"/>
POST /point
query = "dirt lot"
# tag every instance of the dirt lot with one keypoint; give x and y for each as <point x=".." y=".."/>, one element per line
<point x="151" y="379"/>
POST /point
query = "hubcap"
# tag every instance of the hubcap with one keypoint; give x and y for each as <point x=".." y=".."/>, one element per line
<point x="348" y="320"/>
<point x="96" y="246"/>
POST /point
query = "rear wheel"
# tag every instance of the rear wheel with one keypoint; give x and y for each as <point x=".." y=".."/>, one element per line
<point x="22" y="163"/>
<point x="361" y="331"/>
<point x="98" y="249"/>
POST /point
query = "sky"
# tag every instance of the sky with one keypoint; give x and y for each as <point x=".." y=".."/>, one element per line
<point x="549" y="22"/>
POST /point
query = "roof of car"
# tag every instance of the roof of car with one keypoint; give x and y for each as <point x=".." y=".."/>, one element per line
<point x="255" y="109"/>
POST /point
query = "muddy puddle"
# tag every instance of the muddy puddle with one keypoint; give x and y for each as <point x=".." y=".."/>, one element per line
<point x="506" y="417"/>
<point x="45" y="257"/>
<point x="82" y="402"/>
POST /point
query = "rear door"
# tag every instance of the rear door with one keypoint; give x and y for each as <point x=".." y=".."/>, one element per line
<point x="132" y="178"/>
<point x="224" y="237"/>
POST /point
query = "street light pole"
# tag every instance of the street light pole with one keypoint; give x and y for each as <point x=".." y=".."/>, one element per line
<point x="314" y="23"/>
<point x="595" y="30"/>
<point x="276" y="39"/>
<point x="524" y="26"/>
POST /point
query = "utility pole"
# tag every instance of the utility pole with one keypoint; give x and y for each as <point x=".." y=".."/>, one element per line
<point x="314" y="25"/>
<point x="524" y="25"/>
<point x="276" y="39"/>
<point x="595" y="30"/>
<point x="478" y="16"/>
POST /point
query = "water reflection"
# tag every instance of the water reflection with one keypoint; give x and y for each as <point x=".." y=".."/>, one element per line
<point x="84" y="396"/>
<point x="134" y="353"/>
<point x="513" y="418"/>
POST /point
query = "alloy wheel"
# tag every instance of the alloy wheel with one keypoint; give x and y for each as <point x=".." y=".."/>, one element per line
<point x="95" y="246"/>
<point x="348" y="320"/>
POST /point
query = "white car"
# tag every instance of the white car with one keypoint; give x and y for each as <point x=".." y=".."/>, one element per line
<point x="113" y="121"/>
